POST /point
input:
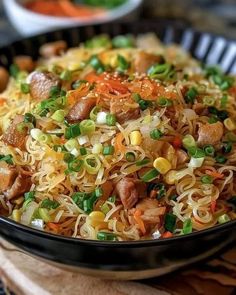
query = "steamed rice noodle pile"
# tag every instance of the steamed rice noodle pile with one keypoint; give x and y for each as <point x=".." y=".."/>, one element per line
<point x="118" y="139"/>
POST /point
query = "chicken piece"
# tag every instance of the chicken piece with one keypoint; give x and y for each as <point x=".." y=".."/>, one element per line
<point x="122" y="112"/>
<point x="41" y="84"/>
<point x="151" y="210"/>
<point x="8" y="174"/>
<point x="130" y="190"/>
<point x="182" y="156"/>
<point x="13" y="136"/>
<point x="20" y="186"/>
<point x="24" y="63"/>
<point x="53" y="48"/>
<point x="143" y="61"/>
<point x="81" y="110"/>
<point x="4" y="78"/>
<point x="210" y="133"/>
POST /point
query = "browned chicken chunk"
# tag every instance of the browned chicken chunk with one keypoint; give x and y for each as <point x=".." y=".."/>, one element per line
<point x="143" y="61"/>
<point x="24" y="63"/>
<point x="122" y="113"/>
<point x="151" y="210"/>
<point x="53" y="48"/>
<point x="13" y="136"/>
<point x="130" y="190"/>
<point x="210" y="133"/>
<point x="81" y="110"/>
<point x="4" y="78"/>
<point x="41" y="84"/>
<point x="13" y="182"/>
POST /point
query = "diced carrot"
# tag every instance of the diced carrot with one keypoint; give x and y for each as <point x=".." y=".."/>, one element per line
<point x="167" y="235"/>
<point x="177" y="142"/>
<point x="53" y="226"/>
<point x="139" y="221"/>
<point x="2" y="101"/>
<point x="215" y="174"/>
<point x="118" y="143"/>
<point x="213" y="206"/>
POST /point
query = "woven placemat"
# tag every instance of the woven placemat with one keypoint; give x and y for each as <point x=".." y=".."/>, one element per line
<point x="26" y="275"/>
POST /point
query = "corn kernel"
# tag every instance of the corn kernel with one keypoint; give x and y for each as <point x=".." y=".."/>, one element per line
<point x="96" y="218"/>
<point x="171" y="177"/>
<point x="162" y="165"/>
<point x="16" y="215"/>
<point x="230" y="124"/>
<point x="135" y="138"/>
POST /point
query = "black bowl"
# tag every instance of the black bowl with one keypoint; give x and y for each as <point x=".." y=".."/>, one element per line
<point x="125" y="260"/>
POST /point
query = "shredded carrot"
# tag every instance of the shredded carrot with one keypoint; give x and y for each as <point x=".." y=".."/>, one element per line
<point x="2" y="101"/>
<point x="63" y="140"/>
<point x="213" y="206"/>
<point x="118" y="143"/>
<point x="76" y="10"/>
<point x="177" y="142"/>
<point x="53" y="226"/>
<point x="167" y="235"/>
<point x="139" y="221"/>
<point x="215" y="174"/>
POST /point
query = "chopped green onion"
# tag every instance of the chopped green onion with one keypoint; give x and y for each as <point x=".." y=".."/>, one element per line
<point x="213" y="119"/>
<point x="98" y="192"/>
<point x="196" y="152"/>
<point x="108" y="150"/>
<point x="87" y="127"/>
<point x="150" y="175"/>
<point x="7" y="159"/>
<point x="227" y="147"/>
<point x="88" y="203"/>
<point x="105" y="208"/>
<point x="94" y="112"/>
<point x="104" y="236"/>
<point x="174" y="197"/>
<point x="97" y="64"/>
<point x="71" y="144"/>
<point x="111" y="120"/>
<point x="220" y="159"/>
<point x="209" y="150"/>
<point x="207" y="179"/>
<point x="58" y="116"/>
<point x="156" y="134"/>
<point x="97" y="148"/>
<point x="123" y="41"/>
<point x="25" y="88"/>
<point x="169" y="222"/>
<point x="144" y="104"/>
<point x="160" y="189"/>
<point x="55" y="91"/>
<point x="78" y="198"/>
<point x="136" y="97"/>
<point x="29" y="118"/>
<point x="187" y="226"/>
<point x="164" y="102"/>
<point x="65" y="75"/>
<point x="222" y="115"/>
<point x="224" y="218"/>
<point x="208" y="100"/>
<point x="130" y="157"/>
<point x="59" y="148"/>
<point x="102" y="41"/>
<point x="68" y="157"/>
<point x="123" y="64"/>
<point x="92" y="164"/>
<point x="83" y="151"/>
<point x="190" y="95"/>
<point x="14" y="70"/>
<point x="24" y="127"/>
<point x="160" y="71"/>
<point x="29" y="197"/>
<point x="143" y="162"/>
<point x="112" y="199"/>
<point x="72" y="131"/>
<point x="75" y="165"/>
<point x="189" y="141"/>
<point x="76" y="84"/>
<point x="44" y="215"/>
<point x="49" y="204"/>
<point x="223" y="101"/>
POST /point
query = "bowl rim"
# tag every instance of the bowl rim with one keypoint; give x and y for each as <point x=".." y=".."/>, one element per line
<point x="118" y="244"/>
<point x="110" y="15"/>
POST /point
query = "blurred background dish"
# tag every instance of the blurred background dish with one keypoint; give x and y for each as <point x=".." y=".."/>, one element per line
<point x="25" y="17"/>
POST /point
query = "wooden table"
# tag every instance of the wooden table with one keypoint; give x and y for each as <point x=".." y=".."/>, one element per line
<point x="27" y="276"/>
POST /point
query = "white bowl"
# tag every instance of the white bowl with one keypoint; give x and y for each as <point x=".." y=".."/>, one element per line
<point x="29" y="23"/>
